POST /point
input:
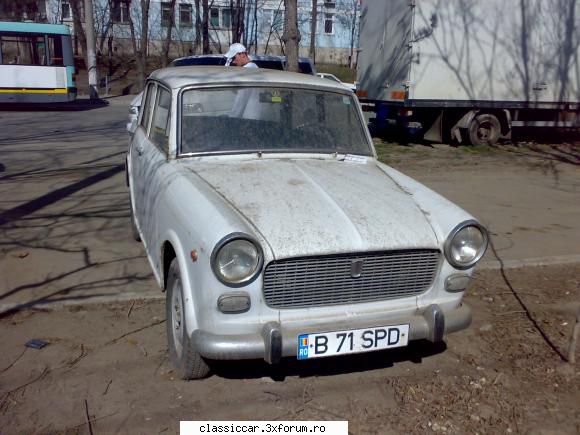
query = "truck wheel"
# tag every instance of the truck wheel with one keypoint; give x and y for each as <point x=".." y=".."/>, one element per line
<point x="188" y="363"/>
<point x="484" y="129"/>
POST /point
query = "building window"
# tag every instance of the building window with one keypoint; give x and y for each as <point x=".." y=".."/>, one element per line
<point x="166" y="14"/>
<point x="278" y="20"/>
<point x="227" y="18"/>
<point x="120" y="10"/>
<point x="65" y="10"/>
<point x="185" y="15"/>
<point x="329" y="5"/>
<point x="328" y="24"/>
<point x="214" y="17"/>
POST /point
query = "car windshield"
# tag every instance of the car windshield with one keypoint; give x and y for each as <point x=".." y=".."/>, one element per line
<point x="270" y="119"/>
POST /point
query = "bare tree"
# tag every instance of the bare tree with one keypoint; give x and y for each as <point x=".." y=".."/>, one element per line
<point x="314" y="15"/>
<point x="273" y="28"/>
<point x="197" y="42"/>
<point x="141" y="50"/>
<point x="167" y="41"/>
<point x="291" y="36"/>
<point x="79" y="30"/>
<point x="348" y="18"/>
<point x="237" y="12"/>
<point x="255" y="28"/>
<point x="205" y="26"/>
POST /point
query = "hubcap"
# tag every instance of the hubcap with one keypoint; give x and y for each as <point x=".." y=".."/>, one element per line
<point x="484" y="132"/>
<point x="177" y="318"/>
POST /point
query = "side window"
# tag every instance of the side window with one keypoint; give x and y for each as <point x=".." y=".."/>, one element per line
<point x="146" y="105"/>
<point x="55" y="50"/>
<point x="160" y="125"/>
<point x="23" y="50"/>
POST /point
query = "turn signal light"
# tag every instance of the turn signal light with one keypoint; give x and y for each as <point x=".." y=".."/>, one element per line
<point x="234" y="303"/>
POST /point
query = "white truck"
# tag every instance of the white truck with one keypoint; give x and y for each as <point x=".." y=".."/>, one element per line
<point x="467" y="70"/>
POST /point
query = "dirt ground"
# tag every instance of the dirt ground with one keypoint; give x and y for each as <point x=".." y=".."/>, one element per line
<point x="105" y="369"/>
<point x="506" y="374"/>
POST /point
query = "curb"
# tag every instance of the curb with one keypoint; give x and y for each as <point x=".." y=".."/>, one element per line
<point x="53" y="306"/>
<point x="530" y="262"/>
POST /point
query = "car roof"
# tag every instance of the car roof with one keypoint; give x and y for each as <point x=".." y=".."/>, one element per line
<point x="263" y="61"/>
<point x="216" y="75"/>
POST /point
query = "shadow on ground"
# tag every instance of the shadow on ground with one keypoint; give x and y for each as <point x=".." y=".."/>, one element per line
<point x="73" y="106"/>
<point x="415" y="352"/>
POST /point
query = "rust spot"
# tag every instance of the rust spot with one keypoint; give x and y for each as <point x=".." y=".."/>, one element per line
<point x="193" y="255"/>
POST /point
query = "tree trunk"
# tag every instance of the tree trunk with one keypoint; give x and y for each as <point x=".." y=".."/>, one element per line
<point x="78" y="27"/>
<point x="314" y="16"/>
<point x="110" y="54"/>
<point x="256" y="26"/>
<point x="141" y="51"/>
<point x="205" y="26"/>
<point x="352" y="35"/>
<point x="291" y="36"/>
<point x="197" y="43"/>
<point x="237" y="14"/>
<point x="167" y="42"/>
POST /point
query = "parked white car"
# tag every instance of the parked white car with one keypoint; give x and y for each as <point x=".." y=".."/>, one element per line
<point x="276" y="232"/>
<point x="333" y="78"/>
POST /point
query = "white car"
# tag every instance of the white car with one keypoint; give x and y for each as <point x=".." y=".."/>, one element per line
<point x="333" y="78"/>
<point x="275" y="231"/>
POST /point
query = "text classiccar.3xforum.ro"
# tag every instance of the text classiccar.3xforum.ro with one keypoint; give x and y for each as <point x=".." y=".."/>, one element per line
<point x="267" y="428"/>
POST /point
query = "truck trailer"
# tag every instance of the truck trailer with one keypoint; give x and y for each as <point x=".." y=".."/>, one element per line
<point x="470" y="71"/>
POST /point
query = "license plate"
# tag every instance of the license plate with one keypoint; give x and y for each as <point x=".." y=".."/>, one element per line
<point x="352" y="341"/>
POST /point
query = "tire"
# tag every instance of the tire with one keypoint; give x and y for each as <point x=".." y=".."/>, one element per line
<point x="187" y="362"/>
<point x="484" y="129"/>
<point x="134" y="230"/>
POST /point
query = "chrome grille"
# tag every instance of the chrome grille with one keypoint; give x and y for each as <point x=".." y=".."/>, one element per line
<point x="328" y="280"/>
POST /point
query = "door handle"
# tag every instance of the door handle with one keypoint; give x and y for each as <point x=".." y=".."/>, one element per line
<point x="140" y="149"/>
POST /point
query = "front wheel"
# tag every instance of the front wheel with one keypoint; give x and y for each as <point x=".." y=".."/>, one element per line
<point x="188" y="363"/>
<point x="484" y="129"/>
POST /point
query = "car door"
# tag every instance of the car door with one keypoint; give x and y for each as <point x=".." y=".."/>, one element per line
<point x="155" y="169"/>
<point x="138" y="184"/>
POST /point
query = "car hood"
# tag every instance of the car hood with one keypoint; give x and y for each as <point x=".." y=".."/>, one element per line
<point x="313" y="207"/>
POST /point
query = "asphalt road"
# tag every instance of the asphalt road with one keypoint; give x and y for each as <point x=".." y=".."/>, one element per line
<point x="64" y="209"/>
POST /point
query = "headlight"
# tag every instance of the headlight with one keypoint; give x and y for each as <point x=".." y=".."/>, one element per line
<point x="466" y="244"/>
<point x="236" y="260"/>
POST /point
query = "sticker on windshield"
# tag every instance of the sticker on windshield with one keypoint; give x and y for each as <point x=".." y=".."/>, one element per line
<point x="349" y="158"/>
<point x="276" y="98"/>
<point x="346" y="100"/>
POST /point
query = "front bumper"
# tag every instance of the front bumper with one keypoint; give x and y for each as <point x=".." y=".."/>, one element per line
<point x="275" y="342"/>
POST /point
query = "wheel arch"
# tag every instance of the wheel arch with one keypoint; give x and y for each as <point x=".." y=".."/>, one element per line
<point x="167" y="256"/>
<point x="172" y="249"/>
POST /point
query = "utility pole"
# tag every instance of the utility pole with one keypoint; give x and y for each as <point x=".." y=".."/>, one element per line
<point x="91" y="50"/>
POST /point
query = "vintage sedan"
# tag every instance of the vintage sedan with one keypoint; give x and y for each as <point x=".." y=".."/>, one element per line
<point x="276" y="232"/>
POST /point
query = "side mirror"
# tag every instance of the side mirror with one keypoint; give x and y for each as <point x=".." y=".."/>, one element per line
<point x="133" y="117"/>
<point x="132" y="126"/>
